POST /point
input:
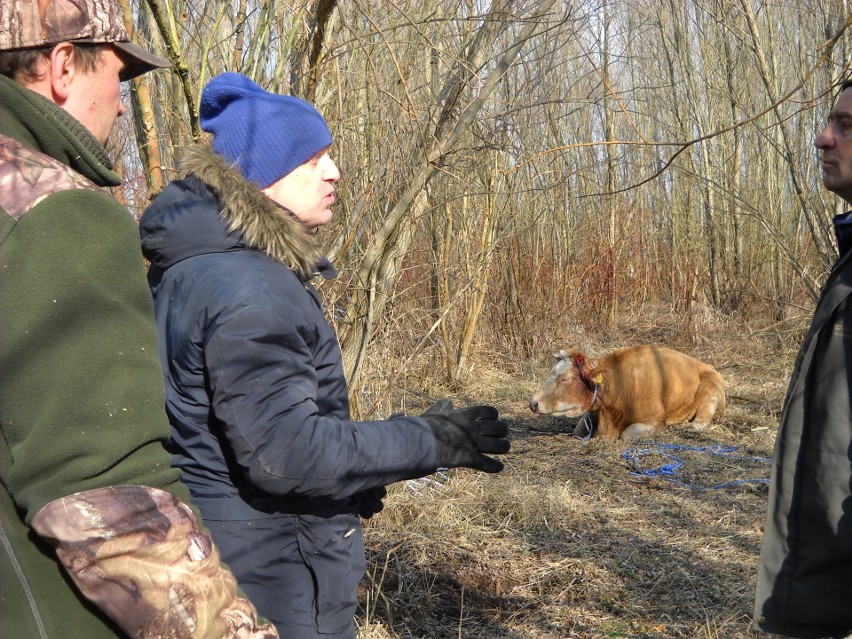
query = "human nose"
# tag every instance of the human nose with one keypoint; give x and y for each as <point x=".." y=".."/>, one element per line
<point x="330" y="171"/>
<point x="824" y="139"/>
<point x="122" y="109"/>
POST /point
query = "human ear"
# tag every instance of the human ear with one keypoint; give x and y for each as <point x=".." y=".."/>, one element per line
<point x="62" y="71"/>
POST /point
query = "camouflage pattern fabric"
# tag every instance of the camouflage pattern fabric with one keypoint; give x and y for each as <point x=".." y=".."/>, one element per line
<point x="139" y="554"/>
<point x="33" y="23"/>
<point x="28" y="176"/>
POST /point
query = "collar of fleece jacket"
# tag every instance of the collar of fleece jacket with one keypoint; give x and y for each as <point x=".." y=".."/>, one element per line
<point x="250" y="218"/>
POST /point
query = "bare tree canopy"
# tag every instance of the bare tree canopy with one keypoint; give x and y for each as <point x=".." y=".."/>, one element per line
<point x="508" y="164"/>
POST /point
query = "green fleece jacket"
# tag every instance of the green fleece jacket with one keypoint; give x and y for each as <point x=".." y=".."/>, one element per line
<point x="95" y="537"/>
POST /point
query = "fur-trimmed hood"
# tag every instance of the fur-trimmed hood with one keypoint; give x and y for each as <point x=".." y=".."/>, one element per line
<point x="214" y="210"/>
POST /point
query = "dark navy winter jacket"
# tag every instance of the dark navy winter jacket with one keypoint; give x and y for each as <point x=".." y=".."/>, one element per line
<point x="255" y="387"/>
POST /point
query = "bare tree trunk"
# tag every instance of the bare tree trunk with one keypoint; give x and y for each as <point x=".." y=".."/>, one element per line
<point x="819" y="232"/>
<point x="610" y="298"/>
<point x="478" y="277"/>
<point x="239" y="36"/>
<point x="168" y="32"/>
<point x="308" y="53"/>
<point x="736" y="238"/>
<point x="452" y="123"/>
<point x="144" y="119"/>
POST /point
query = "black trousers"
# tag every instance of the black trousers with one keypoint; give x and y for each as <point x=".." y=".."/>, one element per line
<point x="301" y="572"/>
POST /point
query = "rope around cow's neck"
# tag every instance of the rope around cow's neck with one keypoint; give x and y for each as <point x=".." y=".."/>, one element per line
<point x="586" y="420"/>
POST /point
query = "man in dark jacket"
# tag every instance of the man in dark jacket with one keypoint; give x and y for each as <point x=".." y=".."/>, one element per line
<point x="96" y="538"/>
<point x="804" y="584"/>
<point x="255" y="386"/>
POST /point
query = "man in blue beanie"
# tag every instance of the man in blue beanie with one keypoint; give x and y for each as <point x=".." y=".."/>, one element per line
<point x="255" y="388"/>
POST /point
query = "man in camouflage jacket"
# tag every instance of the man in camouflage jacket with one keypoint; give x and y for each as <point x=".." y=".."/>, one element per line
<point x="96" y="537"/>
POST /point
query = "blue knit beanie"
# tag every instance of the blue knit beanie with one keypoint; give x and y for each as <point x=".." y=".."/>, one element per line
<point x="265" y="134"/>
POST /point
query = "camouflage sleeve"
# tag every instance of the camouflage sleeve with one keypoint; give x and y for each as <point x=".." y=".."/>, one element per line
<point x="140" y="555"/>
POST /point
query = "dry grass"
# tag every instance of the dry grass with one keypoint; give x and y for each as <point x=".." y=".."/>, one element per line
<point x="566" y="542"/>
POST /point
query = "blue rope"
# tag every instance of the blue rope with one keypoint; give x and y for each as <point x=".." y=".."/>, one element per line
<point x="667" y="471"/>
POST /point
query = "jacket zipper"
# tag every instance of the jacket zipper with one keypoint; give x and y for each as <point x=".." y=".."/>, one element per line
<point x="19" y="573"/>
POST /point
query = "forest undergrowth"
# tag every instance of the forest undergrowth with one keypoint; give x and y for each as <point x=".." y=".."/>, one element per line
<point x="579" y="538"/>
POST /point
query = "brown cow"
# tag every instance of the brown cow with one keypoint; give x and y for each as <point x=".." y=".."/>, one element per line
<point x="635" y="391"/>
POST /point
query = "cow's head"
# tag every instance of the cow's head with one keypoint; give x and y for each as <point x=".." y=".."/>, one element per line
<point x="569" y="389"/>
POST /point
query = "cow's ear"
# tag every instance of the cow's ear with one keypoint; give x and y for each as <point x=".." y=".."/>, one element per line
<point x="586" y="369"/>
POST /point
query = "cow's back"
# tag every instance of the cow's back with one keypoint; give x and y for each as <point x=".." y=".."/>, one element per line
<point x="653" y="384"/>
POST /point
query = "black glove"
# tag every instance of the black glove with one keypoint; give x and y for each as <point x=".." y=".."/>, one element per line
<point x="370" y="501"/>
<point x="463" y="434"/>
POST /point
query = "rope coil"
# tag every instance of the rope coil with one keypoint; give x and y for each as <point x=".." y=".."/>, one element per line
<point x="667" y="471"/>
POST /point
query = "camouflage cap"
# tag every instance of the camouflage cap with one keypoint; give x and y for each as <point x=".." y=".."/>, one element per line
<point x="25" y="24"/>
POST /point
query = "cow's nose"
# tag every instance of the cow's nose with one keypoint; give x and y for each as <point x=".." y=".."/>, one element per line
<point x="533" y="406"/>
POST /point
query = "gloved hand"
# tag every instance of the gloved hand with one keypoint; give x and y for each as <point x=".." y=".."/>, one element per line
<point x="370" y="501"/>
<point x="463" y="434"/>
